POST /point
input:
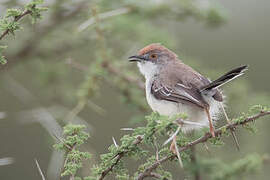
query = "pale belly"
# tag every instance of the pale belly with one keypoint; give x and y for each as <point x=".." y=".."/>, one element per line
<point x="195" y="114"/>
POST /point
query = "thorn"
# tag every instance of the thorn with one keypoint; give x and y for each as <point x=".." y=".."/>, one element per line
<point x="62" y="141"/>
<point x="175" y="150"/>
<point x="207" y="148"/>
<point x="171" y="137"/>
<point x="127" y="129"/>
<point x="157" y="155"/>
<point x="235" y="140"/>
<point x="232" y="130"/>
<point x="114" y="142"/>
<point x="39" y="170"/>
<point x="181" y="122"/>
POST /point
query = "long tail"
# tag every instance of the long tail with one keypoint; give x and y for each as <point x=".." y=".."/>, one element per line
<point x="225" y="78"/>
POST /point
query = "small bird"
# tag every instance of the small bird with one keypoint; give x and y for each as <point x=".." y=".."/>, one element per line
<point x="173" y="87"/>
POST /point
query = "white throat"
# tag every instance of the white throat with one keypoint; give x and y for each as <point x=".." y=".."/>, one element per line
<point x="148" y="69"/>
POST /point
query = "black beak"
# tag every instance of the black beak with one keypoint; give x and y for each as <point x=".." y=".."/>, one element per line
<point x="135" y="59"/>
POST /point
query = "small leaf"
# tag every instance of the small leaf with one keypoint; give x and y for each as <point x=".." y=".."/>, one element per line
<point x="2" y="60"/>
<point x="13" y="13"/>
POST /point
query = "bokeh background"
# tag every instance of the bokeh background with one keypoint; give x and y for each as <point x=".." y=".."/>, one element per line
<point x="57" y="72"/>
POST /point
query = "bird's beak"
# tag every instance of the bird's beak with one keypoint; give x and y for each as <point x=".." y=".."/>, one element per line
<point x="135" y="58"/>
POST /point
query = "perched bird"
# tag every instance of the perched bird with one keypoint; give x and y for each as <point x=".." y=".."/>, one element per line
<point x="173" y="87"/>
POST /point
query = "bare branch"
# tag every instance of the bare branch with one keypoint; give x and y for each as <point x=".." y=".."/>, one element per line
<point x="103" y="16"/>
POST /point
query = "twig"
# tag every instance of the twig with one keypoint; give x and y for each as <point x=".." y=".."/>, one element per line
<point x="103" y="16"/>
<point x="72" y="177"/>
<point x="42" y="31"/>
<point x="16" y="19"/>
<point x="156" y="175"/>
<point x="128" y="79"/>
<point x="111" y="70"/>
<point x="39" y="170"/>
<point x="114" y="142"/>
<point x="118" y="158"/>
<point x="232" y="131"/>
<point x="202" y="139"/>
<point x="149" y="170"/>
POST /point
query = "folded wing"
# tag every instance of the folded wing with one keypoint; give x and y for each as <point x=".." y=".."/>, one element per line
<point x="182" y="85"/>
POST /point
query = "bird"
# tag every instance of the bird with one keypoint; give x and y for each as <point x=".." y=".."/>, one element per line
<point x="173" y="87"/>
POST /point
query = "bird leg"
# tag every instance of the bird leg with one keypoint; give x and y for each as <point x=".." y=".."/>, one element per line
<point x="211" y="127"/>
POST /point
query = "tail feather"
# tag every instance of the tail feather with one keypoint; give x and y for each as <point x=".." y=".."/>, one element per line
<point x="225" y="78"/>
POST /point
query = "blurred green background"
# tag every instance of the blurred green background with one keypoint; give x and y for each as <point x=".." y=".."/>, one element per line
<point x="58" y="62"/>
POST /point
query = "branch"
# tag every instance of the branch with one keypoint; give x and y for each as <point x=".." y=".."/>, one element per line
<point x="156" y="175"/>
<point x="32" y="44"/>
<point x="147" y="172"/>
<point x="16" y="19"/>
<point x="111" y="70"/>
<point x="118" y="158"/>
<point x="128" y="79"/>
<point x="115" y="72"/>
<point x="103" y="16"/>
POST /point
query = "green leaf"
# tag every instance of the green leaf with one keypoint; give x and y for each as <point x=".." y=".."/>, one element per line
<point x="2" y="48"/>
<point x="13" y="13"/>
<point x="2" y="59"/>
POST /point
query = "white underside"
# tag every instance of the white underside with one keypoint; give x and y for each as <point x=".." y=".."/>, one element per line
<point x="163" y="107"/>
<point x="195" y="114"/>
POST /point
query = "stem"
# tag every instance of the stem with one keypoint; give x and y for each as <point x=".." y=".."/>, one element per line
<point x="16" y="19"/>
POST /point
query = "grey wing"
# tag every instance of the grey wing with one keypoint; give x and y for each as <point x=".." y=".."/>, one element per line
<point x="180" y="93"/>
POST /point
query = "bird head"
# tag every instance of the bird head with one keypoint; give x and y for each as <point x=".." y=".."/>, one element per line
<point x="152" y="58"/>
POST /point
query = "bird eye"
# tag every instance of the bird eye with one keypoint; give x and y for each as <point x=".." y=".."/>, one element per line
<point x="153" y="56"/>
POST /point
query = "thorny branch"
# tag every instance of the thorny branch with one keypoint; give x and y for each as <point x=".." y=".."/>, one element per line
<point x="105" y="63"/>
<point x="118" y="158"/>
<point x="16" y="19"/>
<point x="115" y="72"/>
<point x="147" y="172"/>
<point x="57" y="19"/>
